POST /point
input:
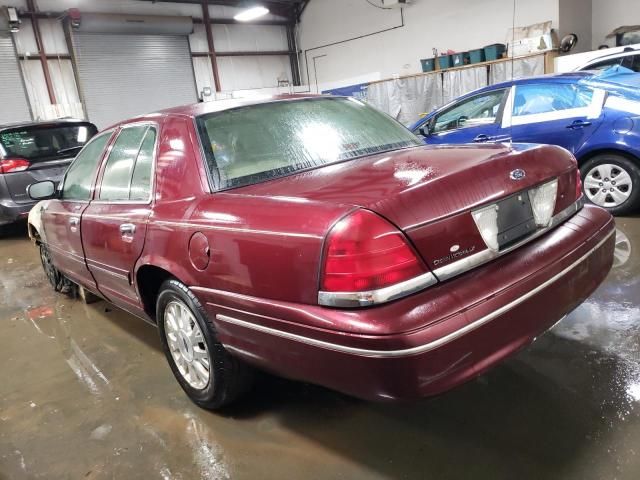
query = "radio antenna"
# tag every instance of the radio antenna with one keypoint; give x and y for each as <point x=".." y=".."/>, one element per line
<point x="513" y="40"/>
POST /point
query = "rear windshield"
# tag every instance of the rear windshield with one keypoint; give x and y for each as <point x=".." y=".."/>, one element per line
<point x="42" y="143"/>
<point x="260" y="142"/>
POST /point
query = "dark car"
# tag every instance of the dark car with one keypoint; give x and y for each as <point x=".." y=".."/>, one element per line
<point x="317" y="238"/>
<point x="35" y="151"/>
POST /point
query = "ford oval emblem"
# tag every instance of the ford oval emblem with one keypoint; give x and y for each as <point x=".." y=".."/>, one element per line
<point x="517" y="174"/>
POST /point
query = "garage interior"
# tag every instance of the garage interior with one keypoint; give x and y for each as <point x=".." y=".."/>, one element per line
<point x="84" y="388"/>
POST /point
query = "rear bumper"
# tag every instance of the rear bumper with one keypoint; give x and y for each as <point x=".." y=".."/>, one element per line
<point x="468" y="324"/>
<point x="11" y="212"/>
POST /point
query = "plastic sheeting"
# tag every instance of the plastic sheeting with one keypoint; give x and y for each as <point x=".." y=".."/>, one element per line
<point x="459" y="82"/>
<point x="406" y="98"/>
<point x="519" y="68"/>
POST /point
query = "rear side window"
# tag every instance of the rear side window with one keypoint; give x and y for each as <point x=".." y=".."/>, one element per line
<point x="537" y="99"/>
<point x="141" y="180"/>
<point x="478" y="110"/>
<point x="82" y="172"/>
<point x="611" y="62"/>
<point x="42" y="143"/>
<point x="132" y="145"/>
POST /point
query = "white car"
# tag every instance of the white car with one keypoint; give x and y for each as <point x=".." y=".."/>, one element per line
<point x="628" y="58"/>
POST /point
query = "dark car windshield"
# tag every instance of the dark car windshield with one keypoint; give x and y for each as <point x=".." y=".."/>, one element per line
<point x="260" y="142"/>
<point x="45" y="142"/>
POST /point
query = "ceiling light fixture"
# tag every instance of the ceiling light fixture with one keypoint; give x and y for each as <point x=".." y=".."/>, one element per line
<point x="251" y="13"/>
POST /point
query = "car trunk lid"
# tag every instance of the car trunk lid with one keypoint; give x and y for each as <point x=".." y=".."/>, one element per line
<point x="430" y="192"/>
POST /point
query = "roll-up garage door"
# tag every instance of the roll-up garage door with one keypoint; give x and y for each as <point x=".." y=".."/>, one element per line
<point x="14" y="106"/>
<point x="124" y="75"/>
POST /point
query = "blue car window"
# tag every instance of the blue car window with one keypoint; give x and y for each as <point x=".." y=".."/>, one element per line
<point x="536" y="99"/>
<point x="478" y="110"/>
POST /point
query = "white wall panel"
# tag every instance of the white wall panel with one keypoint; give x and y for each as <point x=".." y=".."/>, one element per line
<point x="203" y="73"/>
<point x="241" y="73"/>
<point x="64" y="82"/>
<point x="250" y="38"/>
<point x="459" y="25"/>
<point x="25" y="39"/>
<point x="52" y="34"/>
<point x="611" y="14"/>
<point x="198" y="39"/>
<point x="36" y="86"/>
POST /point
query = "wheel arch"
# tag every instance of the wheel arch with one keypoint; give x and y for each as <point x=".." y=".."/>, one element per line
<point x="149" y="278"/>
<point x="586" y="156"/>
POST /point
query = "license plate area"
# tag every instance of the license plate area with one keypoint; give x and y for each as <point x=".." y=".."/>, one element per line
<point x="515" y="219"/>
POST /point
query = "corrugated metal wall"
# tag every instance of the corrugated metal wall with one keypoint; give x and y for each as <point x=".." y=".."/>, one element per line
<point x="123" y="76"/>
<point x="15" y="107"/>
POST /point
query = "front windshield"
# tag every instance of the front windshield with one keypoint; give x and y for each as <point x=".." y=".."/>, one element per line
<point x="38" y="143"/>
<point x="260" y="142"/>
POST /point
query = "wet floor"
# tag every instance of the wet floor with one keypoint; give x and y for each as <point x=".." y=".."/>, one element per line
<point x="85" y="393"/>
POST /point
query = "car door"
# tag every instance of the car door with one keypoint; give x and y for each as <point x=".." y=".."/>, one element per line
<point x="473" y="119"/>
<point x="563" y="114"/>
<point x="61" y="218"/>
<point x="114" y="223"/>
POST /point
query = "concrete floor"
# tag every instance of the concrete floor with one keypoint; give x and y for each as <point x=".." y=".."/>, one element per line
<point x="85" y="393"/>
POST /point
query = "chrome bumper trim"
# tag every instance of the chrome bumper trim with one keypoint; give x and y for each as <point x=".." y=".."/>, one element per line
<point x="375" y="297"/>
<point x="461" y="266"/>
<point x="420" y="348"/>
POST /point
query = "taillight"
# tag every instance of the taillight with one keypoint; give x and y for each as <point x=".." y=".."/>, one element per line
<point x="365" y="254"/>
<point x="9" y="165"/>
<point x="543" y="202"/>
<point x="578" y="184"/>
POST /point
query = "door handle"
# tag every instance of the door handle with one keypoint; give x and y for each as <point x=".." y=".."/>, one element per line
<point x="73" y="223"/>
<point x="578" y="124"/>
<point x="127" y="229"/>
<point x="482" y="138"/>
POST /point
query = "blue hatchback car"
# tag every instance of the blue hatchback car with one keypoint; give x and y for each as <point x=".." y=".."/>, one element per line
<point x="596" y="116"/>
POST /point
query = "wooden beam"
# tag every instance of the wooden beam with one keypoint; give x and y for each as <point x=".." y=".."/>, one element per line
<point x="212" y="49"/>
<point x="41" y="52"/>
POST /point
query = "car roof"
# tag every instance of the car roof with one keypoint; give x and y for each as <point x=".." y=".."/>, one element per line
<point x="626" y="52"/>
<point x="42" y="123"/>
<point x="548" y="78"/>
<point x="203" y="108"/>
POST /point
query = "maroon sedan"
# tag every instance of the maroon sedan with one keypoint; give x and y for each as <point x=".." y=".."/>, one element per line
<point x="317" y="238"/>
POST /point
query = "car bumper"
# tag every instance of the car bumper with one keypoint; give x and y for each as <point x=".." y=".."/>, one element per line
<point x="468" y="324"/>
<point x="11" y="212"/>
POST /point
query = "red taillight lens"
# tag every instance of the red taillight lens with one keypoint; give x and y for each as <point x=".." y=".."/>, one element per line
<point x="9" y="165"/>
<point x="365" y="252"/>
<point x="578" y="184"/>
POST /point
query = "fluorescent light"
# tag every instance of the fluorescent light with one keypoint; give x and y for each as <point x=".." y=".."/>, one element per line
<point x="251" y="14"/>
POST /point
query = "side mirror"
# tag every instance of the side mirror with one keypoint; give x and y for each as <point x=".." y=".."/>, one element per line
<point x="42" y="190"/>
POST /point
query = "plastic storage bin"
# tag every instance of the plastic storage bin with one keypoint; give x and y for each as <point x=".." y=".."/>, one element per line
<point x="495" y="51"/>
<point x="460" y="59"/>
<point x="428" y="64"/>
<point x="444" y="61"/>
<point x="476" y="56"/>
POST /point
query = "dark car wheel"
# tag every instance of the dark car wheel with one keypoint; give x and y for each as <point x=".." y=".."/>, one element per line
<point x="613" y="182"/>
<point x="210" y="376"/>
<point x="55" y="277"/>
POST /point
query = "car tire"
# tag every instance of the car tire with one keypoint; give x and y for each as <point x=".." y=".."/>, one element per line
<point x="594" y="177"/>
<point x="179" y="312"/>
<point x="57" y="280"/>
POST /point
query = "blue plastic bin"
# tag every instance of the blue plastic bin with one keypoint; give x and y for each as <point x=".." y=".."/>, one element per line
<point x="428" y="64"/>
<point x="444" y="61"/>
<point x="495" y="51"/>
<point x="460" y="59"/>
<point x="476" y="56"/>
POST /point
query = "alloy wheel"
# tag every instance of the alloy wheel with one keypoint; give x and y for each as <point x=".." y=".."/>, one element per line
<point x="608" y="185"/>
<point x="187" y="345"/>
